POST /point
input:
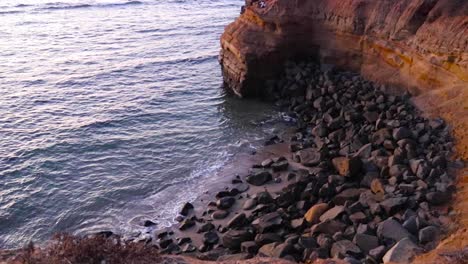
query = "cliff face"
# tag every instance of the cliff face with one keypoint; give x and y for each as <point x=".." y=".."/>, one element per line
<point x="420" y="45"/>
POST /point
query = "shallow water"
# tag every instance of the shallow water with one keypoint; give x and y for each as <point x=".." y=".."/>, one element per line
<point x="112" y="112"/>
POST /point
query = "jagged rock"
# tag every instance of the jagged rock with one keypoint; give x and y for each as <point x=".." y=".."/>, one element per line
<point x="428" y="234"/>
<point x="393" y="205"/>
<point x="391" y="229"/>
<point x="186" y="209"/>
<point x="332" y="213"/>
<point x="366" y="242"/>
<point x="351" y="194"/>
<point x="232" y="239"/>
<point x="402" y="252"/>
<point x="249" y="247"/>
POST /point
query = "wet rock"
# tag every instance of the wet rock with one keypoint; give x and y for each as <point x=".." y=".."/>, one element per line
<point x="343" y="248"/>
<point x="366" y="242"/>
<point x="249" y="204"/>
<point x="225" y="203"/>
<point x="186" y="209"/>
<point x="377" y="253"/>
<point x="259" y="178"/>
<point x="332" y="213"/>
<point x="183" y="240"/>
<point x="267" y="222"/>
<point x="391" y="229"/>
<point x="206" y="227"/>
<point x="232" y="239"/>
<point x="210" y="238"/>
<point x="148" y="223"/>
<point x="237" y="221"/>
<point x="314" y="213"/>
<point x="364" y="152"/>
<point x="348" y="167"/>
<point x="219" y="214"/>
<point x="276" y="250"/>
<point x="165" y="243"/>
<point x="307" y="242"/>
<point x="280" y="166"/>
<point x="186" y="224"/>
<point x="428" y="234"/>
<point x="402" y="252"/>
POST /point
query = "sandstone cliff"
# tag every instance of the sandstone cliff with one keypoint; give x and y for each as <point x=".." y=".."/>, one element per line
<point x="418" y="45"/>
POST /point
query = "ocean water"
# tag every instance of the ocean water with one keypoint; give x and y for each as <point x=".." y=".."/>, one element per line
<point x="112" y="112"/>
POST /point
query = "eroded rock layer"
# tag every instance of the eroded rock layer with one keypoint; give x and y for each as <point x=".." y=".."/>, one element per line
<point x="420" y="45"/>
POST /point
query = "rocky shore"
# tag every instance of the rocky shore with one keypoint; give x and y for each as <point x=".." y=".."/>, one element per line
<point x="363" y="178"/>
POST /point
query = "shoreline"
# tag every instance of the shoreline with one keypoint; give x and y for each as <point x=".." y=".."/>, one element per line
<point x="308" y="198"/>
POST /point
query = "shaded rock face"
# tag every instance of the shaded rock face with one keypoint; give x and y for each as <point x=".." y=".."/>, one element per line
<point x="419" y="45"/>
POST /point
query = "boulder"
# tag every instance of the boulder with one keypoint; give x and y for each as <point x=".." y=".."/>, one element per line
<point x="351" y="194"/>
<point x="343" y="248"/>
<point x="391" y="229"/>
<point x="267" y="238"/>
<point x="259" y="178"/>
<point x="428" y="234"/>
<point x="314" y="213"/>
<point x="225" y="202"/>
<point x="186" y="209"/>
<point x="309" y="157"/>
<point x="402" y="252"/>
<point x="328" y="227"/>
<point x="232" y="239"/>
<point x="332" y="213"/>
<point x="237" y="221"/>
<point x="267" y="222"/>
<point x="210" y="238"/>
<point x="366" y="242"/>
<point x="276" y="250"/>
<point x="348" y="167"/>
